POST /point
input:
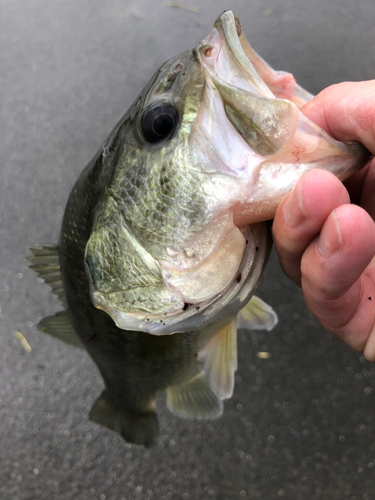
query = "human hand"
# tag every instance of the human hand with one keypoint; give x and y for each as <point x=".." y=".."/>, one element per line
<point x="325" y="244"/>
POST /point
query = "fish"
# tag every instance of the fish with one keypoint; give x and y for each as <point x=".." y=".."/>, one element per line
<point x="165" y="234"/>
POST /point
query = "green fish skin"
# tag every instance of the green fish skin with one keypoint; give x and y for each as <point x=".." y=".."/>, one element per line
<point x="164" y="236"/>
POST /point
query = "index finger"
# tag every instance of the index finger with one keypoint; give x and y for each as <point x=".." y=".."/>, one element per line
<point x="347" y="112"/>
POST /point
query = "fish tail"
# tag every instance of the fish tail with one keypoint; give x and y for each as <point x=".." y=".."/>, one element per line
<point x="137" y="428"/>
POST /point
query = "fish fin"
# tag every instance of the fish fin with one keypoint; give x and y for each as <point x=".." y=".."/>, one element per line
<point x="257" y="315"/>
<point x="46" y="263"/>
<point x="136" y="428"/>
<point x="194" y="399"/>
<point x="60" y="327"/>
<point x="220" y="360"/>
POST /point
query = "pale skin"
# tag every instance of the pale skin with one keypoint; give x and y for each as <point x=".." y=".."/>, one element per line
<point x="324" y="232"/>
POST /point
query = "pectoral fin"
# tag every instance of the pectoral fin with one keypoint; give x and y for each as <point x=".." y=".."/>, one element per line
<point x="220" y="360"/>
<point x="194" y="398"/>
<point x="257" y="315"/>
<point x="60" y="327"/>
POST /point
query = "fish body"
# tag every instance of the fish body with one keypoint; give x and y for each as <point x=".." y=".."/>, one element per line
<point x="164" y="238"/>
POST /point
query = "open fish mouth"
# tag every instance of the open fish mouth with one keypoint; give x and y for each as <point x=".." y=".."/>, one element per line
<point x="263" y="139"/>
<point x="255" y="125"/>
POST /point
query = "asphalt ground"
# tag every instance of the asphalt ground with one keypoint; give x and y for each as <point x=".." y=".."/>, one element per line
<point x="300" y="424"/>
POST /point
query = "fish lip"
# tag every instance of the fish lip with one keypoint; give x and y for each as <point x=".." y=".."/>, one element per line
<point x="228" y="28"/>
<point x="243" y="100"/>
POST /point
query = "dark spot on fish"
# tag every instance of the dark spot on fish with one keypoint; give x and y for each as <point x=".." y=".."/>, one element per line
<point x="161" y="321"/>
<point x="90" y="337"/>
<point x="164" y="324"/>
<point x="207" y="52"/>
<point x="238" y="27"/>
<point x="147" y="319"/>
<point x="256" y="249"/>
<point x="369" y="298"/>
<point x="239" y="278"/>
<point x="197" y="308"/>
<point x="247" y="241"/>
<point x="186" y="305"/>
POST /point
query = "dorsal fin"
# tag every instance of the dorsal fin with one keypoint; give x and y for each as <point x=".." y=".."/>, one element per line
<point x="45" y="262"/>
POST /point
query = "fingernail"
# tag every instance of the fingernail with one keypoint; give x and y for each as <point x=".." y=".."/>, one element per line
<point x="330" y="239"/>
<point x="294" y="211"/>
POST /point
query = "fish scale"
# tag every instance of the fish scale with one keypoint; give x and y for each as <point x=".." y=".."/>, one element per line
<point x="159" y="217"/>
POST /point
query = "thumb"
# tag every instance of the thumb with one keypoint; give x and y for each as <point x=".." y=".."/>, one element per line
<point x="346" y="111"/>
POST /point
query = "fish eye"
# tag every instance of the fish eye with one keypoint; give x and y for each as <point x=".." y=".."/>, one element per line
<point x="159" y="121"/>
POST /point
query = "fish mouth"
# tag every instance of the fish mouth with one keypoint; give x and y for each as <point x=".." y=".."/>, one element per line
<point x="235" y="92"/>
<point x="229" y="29"/>
<point x="258" y="112"/>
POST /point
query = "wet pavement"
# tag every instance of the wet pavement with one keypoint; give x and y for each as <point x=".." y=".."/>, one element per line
<point x="301" y="423"/>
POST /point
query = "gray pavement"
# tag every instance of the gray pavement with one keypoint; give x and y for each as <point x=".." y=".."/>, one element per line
<point x="301" y="424"/>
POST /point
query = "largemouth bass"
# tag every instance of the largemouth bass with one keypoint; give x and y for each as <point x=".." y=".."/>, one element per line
<point x="164" y="238"/>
